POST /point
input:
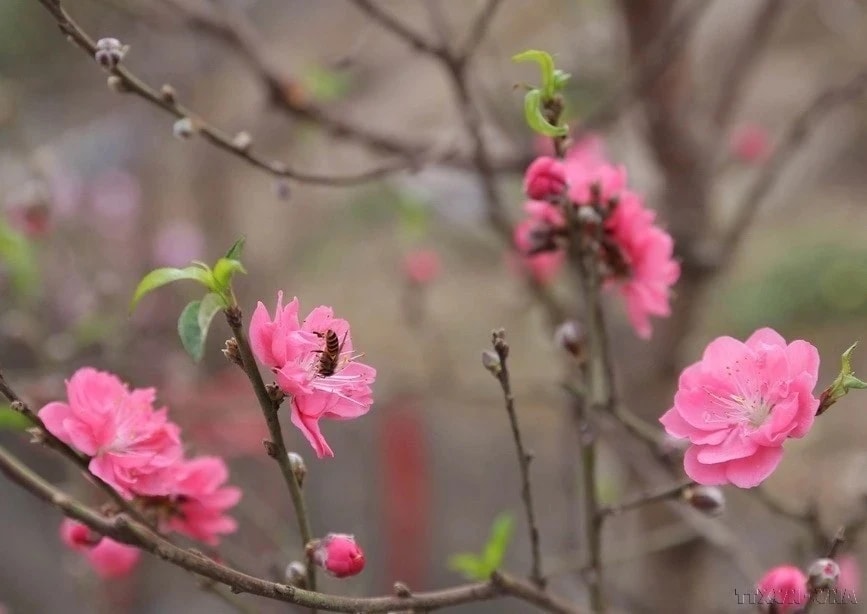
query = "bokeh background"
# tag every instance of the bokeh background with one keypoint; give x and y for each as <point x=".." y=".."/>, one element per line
<point x="95" y="191"/>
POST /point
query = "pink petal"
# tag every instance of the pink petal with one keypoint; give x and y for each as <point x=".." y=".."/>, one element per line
<point x="310" y="428"/>
<point x="753" y="470"/>
<point x="709" y="475"/>
<point x="735" y="446"/>
<point x="803" y="358"/>
<point x="766" y="336"/>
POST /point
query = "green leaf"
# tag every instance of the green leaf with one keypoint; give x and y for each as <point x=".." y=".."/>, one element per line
<point x="535" y="118"/>
<point x="498" y="542"/>
<point x="469" y="565"/>
<point x="11" y="420"/>
<point x="211" y="306"/>
<point x="546" y="66"/>
<point x="190" y="332"/>
<point x="223" y="272"/>
<point x="160" y="277"/>
<point x="237" y="250"/>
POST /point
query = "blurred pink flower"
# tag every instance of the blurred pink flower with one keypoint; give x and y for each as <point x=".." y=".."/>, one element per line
<point x="647" y="252"/>
<point x="543" y="266"/>
<point x="201" y="499"/>
<point x="544" y="178"/>
<point x="178" y="244"/>
<point x="115" y="198"/>
<point x="850" y="576"/>
<point x="750" y="143"/>
<point x="422" y="266"/>
<point x="297" y="353"/>
<point x="739" y="404"/>
<point x="131" y="444"/>
<point x="785" y="586"/>
<point x="110" y="559"/>
<point x="588" y="183"/>
<point x="28" y="211"/>
<point x="338" y="554"/>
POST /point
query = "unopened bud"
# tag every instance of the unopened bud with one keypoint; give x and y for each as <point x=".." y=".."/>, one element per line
<point x="168" y="94"/>
<point x="491" y="362"/>
<point x="296" y="574"/>
<point x="823" y="574"/>
<point x="299" y="469"/>
<point x="109" y="52"/>
<point x="184" y="128"/>
<point x="232" y="352"/>
<point x="402" y="590"/>
<point x="709" y="500"/>
<point x="282" y="189"/>
<point x="570" y="336"/>
<point x="242" y="141"/>
<point x="588" y="216"/>
<point x="337" y="554"/>
<point x="116" y="84"/>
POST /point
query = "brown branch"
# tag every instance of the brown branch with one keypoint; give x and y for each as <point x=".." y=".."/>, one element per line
<point x="129" y="83"/>
<point x="276" y="446"/>
<point x="401" y="30"/>
<point x="125" y="530"/>
<point x="669" y="492"/>
<point x="480" y="27"/>
<point x="502" y="374"/>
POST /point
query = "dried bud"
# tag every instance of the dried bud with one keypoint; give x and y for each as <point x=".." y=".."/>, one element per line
<point x="232" y="352"/>
<point x="109" y="52"/>
<point x="168" y="94"/>
<point x="570" y="336"/>
<point x="491" y="362"/>
<point x="823" y="574"/>
<point x="296" y="574"/>
<point x="337" y="554"/>
<point x="275" y="393"/>
<point x="709" y="500"/>
<point x="242" y="141"/>
<point x="116" y="84"/>
<point x="37" y="435"/>
<point x="184" y="128"/>
<point x="402" y="590"/>
<point x="282" y="189"/>
<point x="299" y="469"/>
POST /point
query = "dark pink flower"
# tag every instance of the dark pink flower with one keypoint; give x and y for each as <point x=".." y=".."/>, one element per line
<point x="338" y="554"/>
<point x="534" y="238"/>
<point x="545" y="178"/>
<point x="750" y="143"/>
<point x="298" y="353"/>
<point x="785" y="586"/>
<point x="78" y="536"/>
<point x="131" y="443"/>
<point x="110" y="559"/>
<point x="647" y="252"/>
<point x="588" y="183"/>
<point x="421" y="266"/>
<point x="201" y="499"/>
<point x="739" y="404"/>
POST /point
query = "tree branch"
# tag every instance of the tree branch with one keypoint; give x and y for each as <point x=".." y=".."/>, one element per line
<point x="669" y="492"/>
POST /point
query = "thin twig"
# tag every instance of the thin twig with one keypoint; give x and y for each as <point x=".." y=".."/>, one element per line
<point x="480" y="27"/>
<point x="524" y="457"/>
<point x="129" y="83"/>
<point x="125" y="530"/>
<point x="669" y="492"/>
<point x="398" y="28"/>
<point x="276" y="446"/>
<point x="833" y="548"/>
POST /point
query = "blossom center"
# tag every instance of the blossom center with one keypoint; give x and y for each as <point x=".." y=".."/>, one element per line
<point x="739" y="409"/>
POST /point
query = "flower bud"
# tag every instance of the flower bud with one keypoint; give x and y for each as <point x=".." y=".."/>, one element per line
<point x="570" y="336"/>
<point x="545" y="178"/>
<point x="116" y="84"/>
<point x="242" y="141"/>
<point x="337" y="554"/>
<point x="78" y="536"/>
<point x="785" y="586"/>
<point x="168" y="94"/>
<point x="183" y="128"/>
<point x="109" y="52"/>
<point x="822" y="574"/>
<point x="296" y="574"/>
<point x="709" y="500"/>
<point x="299" y="469"/>
<point x="491" y="362"/>
<point x="232" y="352"/>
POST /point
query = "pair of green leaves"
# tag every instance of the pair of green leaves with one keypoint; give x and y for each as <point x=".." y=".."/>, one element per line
<point x="553" y="82"/>
<point x="842" y="384"/>
<point x="195" y="319"/>
<point x="480" y="566"/>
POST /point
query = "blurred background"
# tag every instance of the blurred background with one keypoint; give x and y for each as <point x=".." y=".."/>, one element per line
<point x="95" y="191"/>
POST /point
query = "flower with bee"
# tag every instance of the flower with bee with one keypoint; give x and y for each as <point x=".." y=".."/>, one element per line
<point x="314" y="362"/>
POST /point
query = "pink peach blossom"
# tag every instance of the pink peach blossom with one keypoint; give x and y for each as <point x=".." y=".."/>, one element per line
<point x="543" y="266"/>
<point x="750" y="143"/>
<point x="544" y="178"/>
<point x="421" y="266"/>
<point x="77" y="535"/>
<point x="110" y="559"/>
<point x="294" y="352"/>
<point x="338" y="554"/>
<point x="201" y="499"/>
<point x="785" y="586"/>
<point x="739" y="404"/>
<point x="648" y="253"/>
<point x="131" y="443"/>
<point x="586" y="182"/>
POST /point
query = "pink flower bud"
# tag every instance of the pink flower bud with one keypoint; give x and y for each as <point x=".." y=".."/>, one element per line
<point x="706" y="499"/>
<point x="337" y="554"/>
<point x="823" y="573"/>
<point x="421" y="266"/>
<point x="786" y="587"/>
<point x="545" y="177"/>
<point x="78" y="536"/>
<point x="751" y="144"/>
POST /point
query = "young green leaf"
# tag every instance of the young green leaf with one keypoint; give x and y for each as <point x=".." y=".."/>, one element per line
<point x="535" y="118"/>
<point x="11" y="420"/>
<point x="237" y="250"/>
<point x="188" y="330"/>
<point x="498" y="542"/>
<point x="546" y="66"/>
<point x="842" y="384"/>
<point x="160" y="277"/>
<point x="469" y="565"/>
<point x="223" y="272"/>
<point x="211" y="306"/>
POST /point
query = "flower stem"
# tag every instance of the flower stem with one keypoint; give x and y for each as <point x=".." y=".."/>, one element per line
<point x="276" y="447"/>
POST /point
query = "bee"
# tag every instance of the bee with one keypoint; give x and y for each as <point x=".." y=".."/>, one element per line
<point x="330" y="356"/>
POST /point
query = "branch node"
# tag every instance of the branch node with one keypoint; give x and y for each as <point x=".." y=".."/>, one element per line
<point x="402" y="590"/>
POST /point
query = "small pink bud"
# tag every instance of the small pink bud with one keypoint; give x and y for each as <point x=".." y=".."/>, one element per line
<point x="337" y="554"/>
<point x="545" y="178"/>
<point x="823" y="573"/>
<point x="570" y="337"/>
<point x="750" y="143"/>
<point x="109" y="52"/>
<point x="785" y="587"/>
<point x="421" y="266"/>
<point x="78" y="536"/>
